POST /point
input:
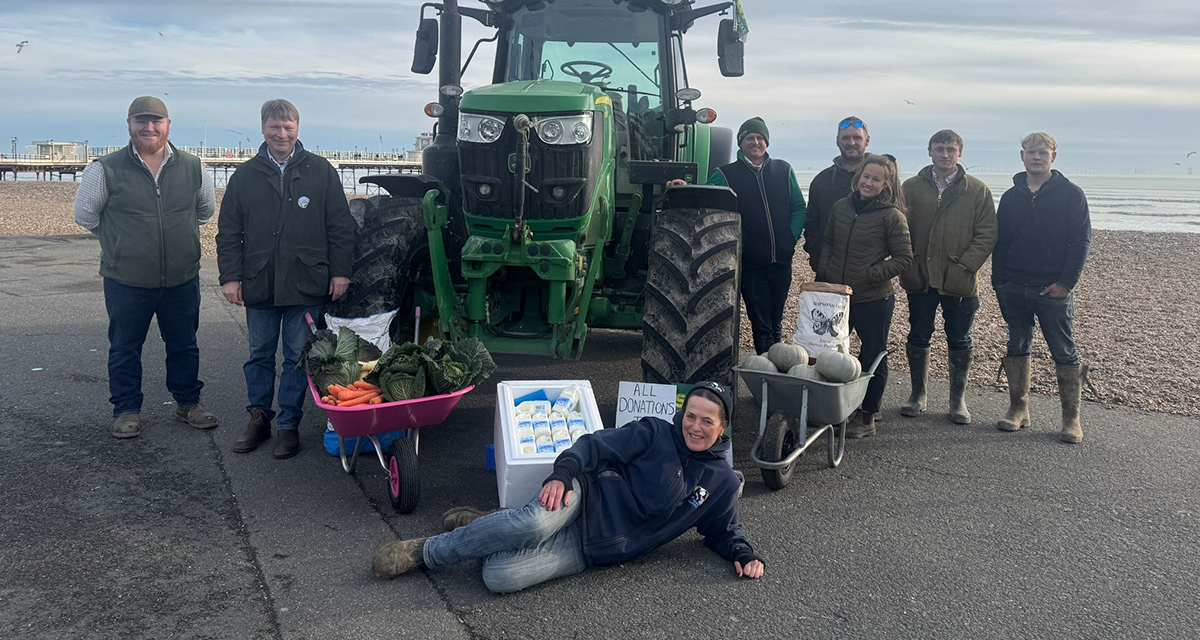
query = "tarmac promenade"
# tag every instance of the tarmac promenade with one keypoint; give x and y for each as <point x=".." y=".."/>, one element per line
<point x="927" y="530"/>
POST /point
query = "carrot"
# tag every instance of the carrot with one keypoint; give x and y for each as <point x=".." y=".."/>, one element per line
<point x="366" y="386"/>
<point x="363" y="399"/>
<point x="335" y="389"/>
<point x="351" y="394"/>
<point x="375" y="400"/>
<point x="329" y="400"/>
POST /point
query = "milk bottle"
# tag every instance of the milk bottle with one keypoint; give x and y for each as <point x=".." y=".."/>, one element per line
<point x="576" y="426"/>
<point x="558" y="428"/>
<point x="526" y="441"/>
<point x="541" y="433"/>
<point x="568" y="400"/>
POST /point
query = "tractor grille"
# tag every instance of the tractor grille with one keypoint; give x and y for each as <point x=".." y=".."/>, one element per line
<point x="571" y="167"/>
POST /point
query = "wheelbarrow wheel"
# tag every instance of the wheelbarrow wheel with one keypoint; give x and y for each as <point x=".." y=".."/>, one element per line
<point x="404" y="475"/>
<point x="837" y="443"/>
<point x="779" y="440"/>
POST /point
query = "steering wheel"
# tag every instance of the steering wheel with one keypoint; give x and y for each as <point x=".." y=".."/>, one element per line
<point x="587" y="77"/>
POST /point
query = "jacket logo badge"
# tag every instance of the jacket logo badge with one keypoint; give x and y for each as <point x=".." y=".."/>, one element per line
<point x="303" y="202"/>
<point x="699" y="495"/>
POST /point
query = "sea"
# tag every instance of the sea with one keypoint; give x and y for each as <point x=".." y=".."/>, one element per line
<point x="1117" y="202"/>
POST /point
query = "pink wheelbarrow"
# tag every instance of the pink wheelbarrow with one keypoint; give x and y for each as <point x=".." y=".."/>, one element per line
<point x="400" y="460"/>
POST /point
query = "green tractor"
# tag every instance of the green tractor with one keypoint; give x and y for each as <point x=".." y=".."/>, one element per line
<point x="541" y="210"/>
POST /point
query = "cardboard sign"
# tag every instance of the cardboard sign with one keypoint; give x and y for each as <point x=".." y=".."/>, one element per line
<point x="641" y="399"/>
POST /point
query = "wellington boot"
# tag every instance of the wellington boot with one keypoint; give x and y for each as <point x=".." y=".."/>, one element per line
<point x="461" y="516"/>
<point x="398" y="557"/>
<point x="918" y="369"/>
<point x="1070" y="383"/>
<point x="960" y="365"/>
<point x="1017" y="370"/>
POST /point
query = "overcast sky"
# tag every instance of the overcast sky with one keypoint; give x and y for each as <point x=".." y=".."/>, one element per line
<point x="1118" y="83"/>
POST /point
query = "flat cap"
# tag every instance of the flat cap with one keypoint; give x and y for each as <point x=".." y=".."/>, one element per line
<point x="147" y="106"/>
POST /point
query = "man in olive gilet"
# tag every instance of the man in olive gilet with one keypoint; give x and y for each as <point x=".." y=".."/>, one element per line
<point x="146" y="202"/>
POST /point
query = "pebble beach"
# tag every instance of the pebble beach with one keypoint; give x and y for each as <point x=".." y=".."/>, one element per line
<point x="1137" y="317"/>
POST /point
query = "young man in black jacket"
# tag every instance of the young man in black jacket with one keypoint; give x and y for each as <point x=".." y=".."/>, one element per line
<point x="1044" y="235"/>
<point x="614" y="495"/>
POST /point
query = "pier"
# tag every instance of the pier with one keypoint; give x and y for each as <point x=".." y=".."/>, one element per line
<point x="67" y="163"/>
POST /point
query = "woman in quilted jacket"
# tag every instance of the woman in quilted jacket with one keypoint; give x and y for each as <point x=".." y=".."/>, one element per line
<point x="866" y="245"/>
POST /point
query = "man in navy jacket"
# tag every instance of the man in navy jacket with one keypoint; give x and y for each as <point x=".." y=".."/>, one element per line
<point x="613" y="496"/>
<point x="1044" y="235"/>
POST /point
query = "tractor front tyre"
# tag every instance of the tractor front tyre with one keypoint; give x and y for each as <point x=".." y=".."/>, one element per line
<point x="691" y="319"/>
<point x="391" y="231"/>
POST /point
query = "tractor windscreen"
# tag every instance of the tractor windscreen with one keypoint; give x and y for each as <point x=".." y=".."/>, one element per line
<point x="597" y="42"/>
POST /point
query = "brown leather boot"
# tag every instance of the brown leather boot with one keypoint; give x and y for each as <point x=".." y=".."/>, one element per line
<point x="861" y="425"/>
<point x="1070" y="383"/>
<point x="918" y="370"/>
<point x="960" y="365"/>
<point x="257" y="432"/>
<point x="1017" y="370"/>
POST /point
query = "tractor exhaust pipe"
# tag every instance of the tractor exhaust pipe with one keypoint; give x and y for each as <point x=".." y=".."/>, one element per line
<point x="440" y="159"/>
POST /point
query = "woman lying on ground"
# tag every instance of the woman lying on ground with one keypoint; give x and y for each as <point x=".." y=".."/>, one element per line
<point x="866" y="245"/>
<point x="614" y="495"/>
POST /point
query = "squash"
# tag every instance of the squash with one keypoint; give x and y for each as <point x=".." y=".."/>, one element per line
<point x="806" y="372"/>
<point x="785" y="356"/>
<point x="759" y="363"/>
<point x="838" y="367"/>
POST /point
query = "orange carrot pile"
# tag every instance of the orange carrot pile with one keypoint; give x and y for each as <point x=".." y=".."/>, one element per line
<point x="353" y="395"/>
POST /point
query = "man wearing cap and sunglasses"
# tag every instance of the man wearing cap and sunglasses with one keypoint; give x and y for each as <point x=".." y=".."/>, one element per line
<point x="146" y="203"/>
<point x="833" y="183"/>
<point x="615" y="495"/>
<point x="772" y="209"/>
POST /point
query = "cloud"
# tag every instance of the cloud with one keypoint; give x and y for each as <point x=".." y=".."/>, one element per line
<point x="1095" y="74"/>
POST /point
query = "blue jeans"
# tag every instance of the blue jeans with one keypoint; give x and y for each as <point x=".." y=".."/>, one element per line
<point x="130" y="310"/>
<point x="264" y="329"/>
<point x="957" y="311"/>
<point x="520" y="547"/>
<point x="1020" y="304"/>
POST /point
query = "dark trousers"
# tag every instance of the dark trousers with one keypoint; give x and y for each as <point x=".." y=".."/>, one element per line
<point x="872" y="320"/>
<point x="958" y="312"/>
<point x="130" y="310"/>
<point x="765" y="290"/>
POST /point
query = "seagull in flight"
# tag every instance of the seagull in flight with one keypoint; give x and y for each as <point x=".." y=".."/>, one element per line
<point x="1190" y="154"/>
<point x="21" y="45"/>
<point x="910" y="102"/>
<point x="160" y="34"/>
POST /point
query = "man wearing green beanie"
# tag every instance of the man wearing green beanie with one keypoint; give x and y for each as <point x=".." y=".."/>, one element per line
<point x="773" y="211"/>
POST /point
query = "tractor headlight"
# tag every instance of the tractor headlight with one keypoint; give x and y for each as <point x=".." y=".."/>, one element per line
<point x="478" y="128"/>
<point x="565" y="129"/>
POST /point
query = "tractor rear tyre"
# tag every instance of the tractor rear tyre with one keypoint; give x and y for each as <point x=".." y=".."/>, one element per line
<point x="691" y="319"/>
<point x="392" y="230"/>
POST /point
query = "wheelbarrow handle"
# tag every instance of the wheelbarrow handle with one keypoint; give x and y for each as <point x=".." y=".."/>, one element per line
<point x="879" y="358"/>
<point x="312" y="324"/>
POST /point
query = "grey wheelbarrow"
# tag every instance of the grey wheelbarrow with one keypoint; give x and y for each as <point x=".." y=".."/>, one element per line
<point x="795" y="412"/>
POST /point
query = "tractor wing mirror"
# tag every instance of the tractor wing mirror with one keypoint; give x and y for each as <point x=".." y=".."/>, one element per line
<point x="730" y="50"/>
<point x="425" y="51"/>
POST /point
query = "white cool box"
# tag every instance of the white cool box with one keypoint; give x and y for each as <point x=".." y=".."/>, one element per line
<point x="519" y="476"/>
